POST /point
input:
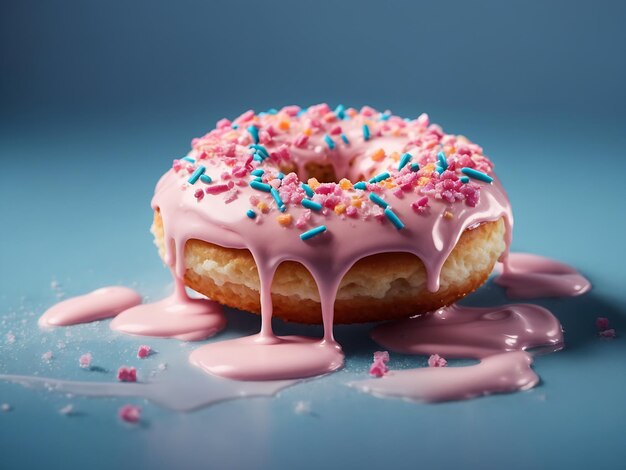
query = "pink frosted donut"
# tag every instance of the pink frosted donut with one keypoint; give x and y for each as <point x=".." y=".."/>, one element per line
<point x="335" y="215"/>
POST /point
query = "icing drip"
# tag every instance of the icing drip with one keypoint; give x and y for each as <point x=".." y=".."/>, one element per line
<point x="176" y="316"/>
<point x="528" y="276"/>
<point x="97" y="305"/>
<point x="497" y="336"/>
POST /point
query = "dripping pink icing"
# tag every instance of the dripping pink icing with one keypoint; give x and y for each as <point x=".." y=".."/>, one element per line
<point x="498" y="336"/>
<point x="349" y="237"/>
<point x="97" y="305"/>
<point x="528" y="276"/>
<point x="176" y="316"/>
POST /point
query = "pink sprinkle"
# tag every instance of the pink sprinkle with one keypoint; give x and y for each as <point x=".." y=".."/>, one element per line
<point x="85" y="361"/>
<point x="367" y="111"/>
<point x="610" y="333"/>
<point x="47" y="356"/>
<point x="129" y="413"/>
<point x="335" y="130"/>
<point x="291" y="110"/>
<point x="382" y="356"/>
<point x="379" y="366"/>
<point x="254" y="200"/>
<point x="216" y="188"/>
<point x="223" y="123"/>
<point x="265" y="137"/>
<point x="199" y="195"/>
<point x="177" y="165"/>
<point x="301" y="140"/>
<point x="423" y="120"/>
<point x="602" y="323"/>
<point x="144" y="351"/>
<point x="246" y="116"/>
<point x="437" y="361"/>
<point x="127" y="374"/>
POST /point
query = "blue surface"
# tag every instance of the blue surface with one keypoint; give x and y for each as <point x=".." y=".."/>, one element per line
<point x="108" y="93"/>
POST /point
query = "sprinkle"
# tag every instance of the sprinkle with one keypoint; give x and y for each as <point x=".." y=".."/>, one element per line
<point x="376" y="199"/>
<point x="217" y="189"/>
<point x="260" y="149"/>
<point x="196" y="174"/>
<point x="395" y="220"/>
<point x="251" y="214"/>
<point x="260" y="186"/>
<point x="284" y="219"/>
<point x="345" y="184"/>
<point x="302" y="408"/>
<point x="316" y="206"/>
<point x="129" y="413"/>
<point x="366" y="132"/>
<point x="47" y="356"/>
<point x="415" y="167"/>
<point x="259" y="179"/>
<point x="257" y="172"/>
<point x="235" y="126"/>
<point x="478" y="175"/>
<point x="206" y="179"/>
<point x="448" y="215"/>
<point x="188" y="159"/>
<point x="379" y="365"/>
<point x="340" y="209"/>
<point x="313" y="232"/>
<point x="127" y="374"/>
<point x="464" y="179"/>
<point x="307" y="189"/>
<point x="329" y="141"/>
<point x="381" y="356"/>
<point x="257" y="157"/>
<point x="280" y="175"/>
<point x="602" y="323"/>
<point x="279" y="201"/>
<point x="344" y="137"/>
<point x="144" y="351"/>
<point x="406" y="158"/>
<point x="443" y="163"/>
<point x="378" y="155"/>
<point x="254" y="132"/>
<point x="385" y="116"/>
<point x="360" y="185"/>
<point x="85" y="361"/>
<point x="340" y="111"/>
<point x="610" y="333"/>
<point x="5" y="407"/>
<point x="380" y="177"/>
<point x="437" y="361"/>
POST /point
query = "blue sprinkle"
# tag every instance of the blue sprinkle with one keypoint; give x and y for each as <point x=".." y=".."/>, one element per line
<point x="340" y="111"/>
<point x="188" y="159"/>
<point x="206" y="179"/>
<point x="307" y="189"/>
<point x="316" y="206"/>
<point x="311" y="233"/>
<point x="257" y="172"/>
<point x="394" y="219"/>
<point x="251" y="214"/>
<point x="280" y="175"/>
<point x="360" y="185"/>
<point x="196" y="174"/>
<point x="272" y="111"/>
<point x="257" y="157"/>
<point x="329" y="141"/>
<point x="478" y="175"/>
<point x="376" y="199"/>
<point x="260" y="149"/>
<point x="464" y="179"/>
<point x="344" y="137"/>
<point x="439" y="169"/>
<point x="235" y="126"/>
<point x="443" y="163"/>
<point x="279" y="201"/>
<point x="415" y="167"/>
<point x="366" y="132"/>
<point x="404" y="159"/>
<point x="254" y="132"/>
<point x="380" y="177"/>
<point x="302" y="111"/>
<point x="384" y="116"/>
<point x="260" y="186"/>
<point x="259" y="179"/>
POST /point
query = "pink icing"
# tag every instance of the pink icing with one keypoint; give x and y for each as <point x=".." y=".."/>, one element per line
<point x="97" y="305"/>
<point x="176" y="316"/>
<point x="528" y="276"/>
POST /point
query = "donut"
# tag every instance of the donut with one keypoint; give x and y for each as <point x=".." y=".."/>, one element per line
<point x="323" y="215"/>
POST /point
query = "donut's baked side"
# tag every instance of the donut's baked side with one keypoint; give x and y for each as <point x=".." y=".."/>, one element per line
<point x="380" y="287"/>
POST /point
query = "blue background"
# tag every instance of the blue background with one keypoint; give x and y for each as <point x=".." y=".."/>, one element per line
<point x="96" y="98"/>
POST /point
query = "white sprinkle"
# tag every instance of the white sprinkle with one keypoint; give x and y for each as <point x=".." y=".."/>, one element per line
<point x="67" y="410"/>
<point x="5" y="407"/>
<point x="302" y="408"/>
<point x="47" y="356"/>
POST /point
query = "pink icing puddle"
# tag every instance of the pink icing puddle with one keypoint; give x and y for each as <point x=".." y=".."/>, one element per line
<point x="275" y="358"/>
<point x="501" y="373"/>
<point x="498" y="336"/>
<point x="97" y="305"/>
<point x="176" y="316"/>
<point x="527" y="276"/>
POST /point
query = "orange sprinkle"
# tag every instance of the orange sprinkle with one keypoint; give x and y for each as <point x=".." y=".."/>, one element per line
<point x="284" y="219"/>
<point x="340" y="209"/>
<point x="330" y="117"/>
<point x="313" y="183"/>
<point x="351" y="112"/>
<point x="308" y="131"/>
<point x="378" y="155"/>
<point x="345" y="184"/>
<point x="356" y="201"/>
<point x="284" y="125"/>
<point x="263" y="207"/>
<point x="395" y="156"/>
<point x="423" y="181"/>
<point x="448" y="215"/>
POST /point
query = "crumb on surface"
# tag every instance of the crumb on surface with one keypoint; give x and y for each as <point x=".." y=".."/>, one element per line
<point x="436" y="360"/>
<point x="379" y="365"/>
<point x="129" y="413"/>
<point x="85" y="361"/>
<point x="127" y="374"/>
<point x="144" y="351"/>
